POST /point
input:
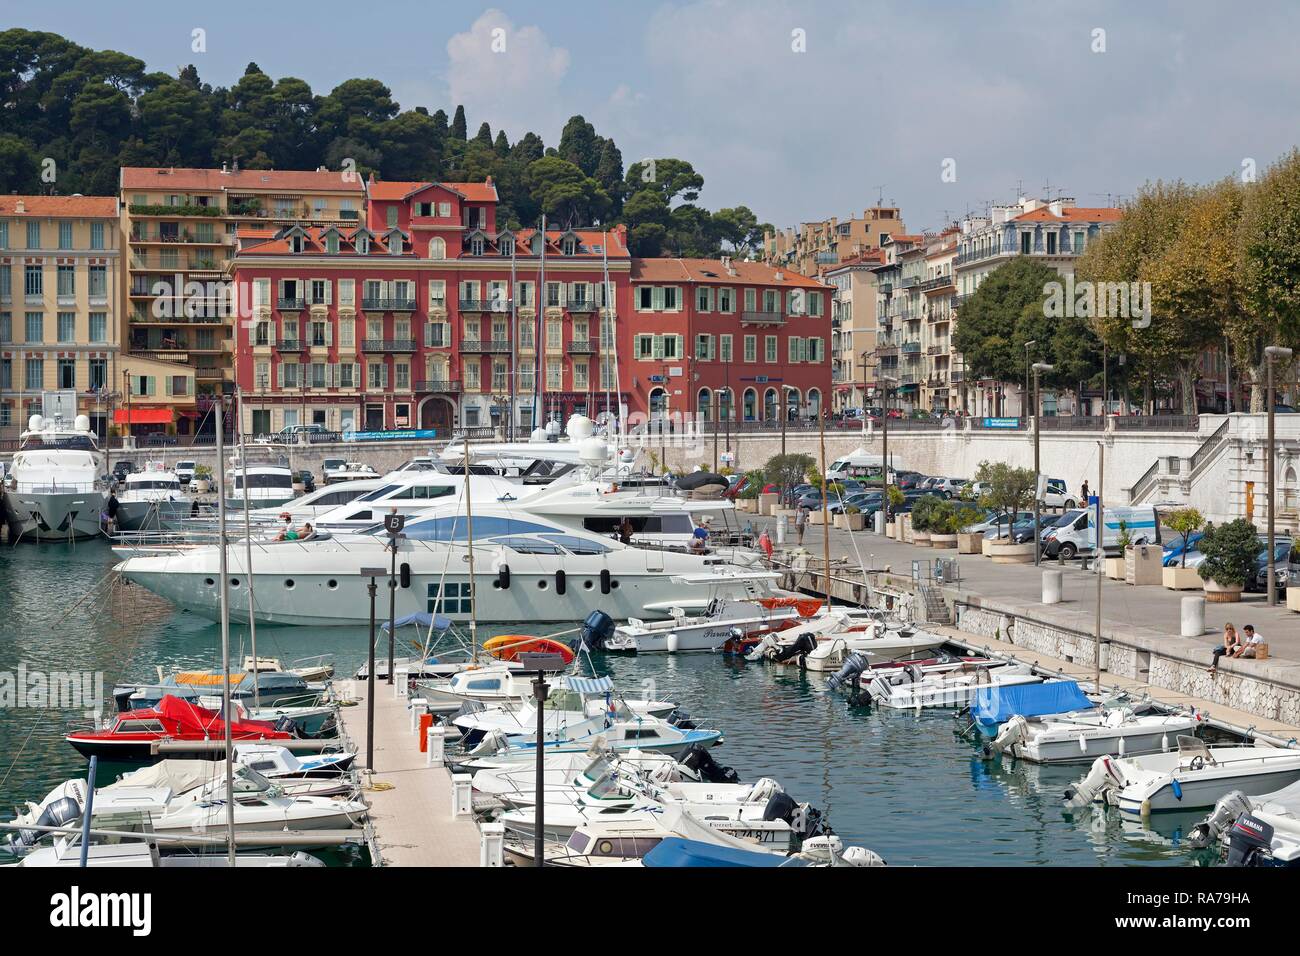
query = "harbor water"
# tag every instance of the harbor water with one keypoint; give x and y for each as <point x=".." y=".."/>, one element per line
<point x="902" y="784"/>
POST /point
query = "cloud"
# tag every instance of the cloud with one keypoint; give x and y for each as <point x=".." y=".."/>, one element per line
<point x="509" y="76"/>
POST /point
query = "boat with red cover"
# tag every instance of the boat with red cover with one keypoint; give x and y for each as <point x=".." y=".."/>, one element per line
<point x="132" y="736"/>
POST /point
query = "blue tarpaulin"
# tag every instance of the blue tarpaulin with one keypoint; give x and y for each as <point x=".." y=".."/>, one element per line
<point x="424" y="619"/>
<point x="676" y="852"/>
<point x="993" y="705"/>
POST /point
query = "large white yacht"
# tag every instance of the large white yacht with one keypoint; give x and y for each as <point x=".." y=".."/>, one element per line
<point x="55" y="490"/>
<point x="152" y="500"/>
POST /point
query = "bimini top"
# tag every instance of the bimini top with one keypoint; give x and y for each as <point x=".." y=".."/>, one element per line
<point x="994" y="704"/>
<point x="424" y="619"/>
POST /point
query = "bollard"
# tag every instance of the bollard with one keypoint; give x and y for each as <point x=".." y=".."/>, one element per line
<point x="1193" y="614"/>
<point x="780" y="530"/>
<point x="401" y="686"/>
<point x="418" y="706"/>
<point x="461" y="805"/>
<point x="878" y="521"/>
<point x="1053" y="586"/>
<point x="435" y="746"/>
<point x="492" y="838"/>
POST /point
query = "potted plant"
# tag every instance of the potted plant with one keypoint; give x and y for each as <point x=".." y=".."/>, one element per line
<point x="203" y="479"/>
<point x="924" y="513"/>
<point x="948" y="522"/>
<point x="1009" y="490"/>
<point x="1114" y="567"/>
<point x="896" y="500"/>
<point x="299" y="483"/>
<point x="853" y="518"/>
<point x="1186" y="522"/>
<point x="1230" y="551"/>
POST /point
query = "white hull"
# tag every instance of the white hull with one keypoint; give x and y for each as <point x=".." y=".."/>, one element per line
<point x="1088" y="745"/>
<point x="1203" y="792"/>
<point x="948" y="690"/>
<point x="53" y="515"/>
<point x="163" y="515"/>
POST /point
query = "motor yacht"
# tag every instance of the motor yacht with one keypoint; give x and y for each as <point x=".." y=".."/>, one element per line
<point x="152" y="500"/>
<point x="54" y="489"/>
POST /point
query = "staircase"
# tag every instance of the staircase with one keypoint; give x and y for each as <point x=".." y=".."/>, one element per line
<point x="1200" y="460"/>
<point x="932" y="603"/>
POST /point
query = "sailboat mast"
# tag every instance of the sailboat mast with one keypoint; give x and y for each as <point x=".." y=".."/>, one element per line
<point x="469" y="537"/>
<point x="539" y="325"/>
<point x="248" y="546"/>
<point x="600" y="333"/>
<point x="224" y="596"/>
<point x="826" y="524"/>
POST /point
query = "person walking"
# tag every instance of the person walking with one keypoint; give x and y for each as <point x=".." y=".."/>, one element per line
<point x="1230" y="644"/>
<point x="110" y="508"/>
<point x="801" y="524"/>
<point x="1085" y="491"/>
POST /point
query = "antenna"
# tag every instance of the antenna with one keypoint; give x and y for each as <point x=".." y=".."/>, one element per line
<point x="880" y="194"/>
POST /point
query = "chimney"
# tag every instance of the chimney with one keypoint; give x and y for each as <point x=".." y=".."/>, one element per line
<point x="224" y="170"/>
<point x="235" y="166"/>
<point x="20" y="207"/>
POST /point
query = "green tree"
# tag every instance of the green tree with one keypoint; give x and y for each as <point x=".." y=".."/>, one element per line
<point x="991" y="333"/>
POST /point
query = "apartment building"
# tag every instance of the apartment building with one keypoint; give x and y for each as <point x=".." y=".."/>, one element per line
<point x="812" y="247"/>
<point x="178" y="228"/>
<point x="428" y="316"/>
<point x="59" y="295"/>
<point x="899" y="317"/>
<point x="1054" y="232"/>
<point x="853" y="329"/>
<point x="722" y="339"/>
<point x="942" y="384"/>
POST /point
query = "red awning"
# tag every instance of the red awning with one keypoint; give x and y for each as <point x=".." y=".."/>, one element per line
<point x="144" y="416"/>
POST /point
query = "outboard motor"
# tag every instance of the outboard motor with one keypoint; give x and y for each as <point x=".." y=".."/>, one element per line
<point x="1230" y="806"/>
<point x="803" y="645"/>
<point x="1101" y="777"/>
<point x="596" y="630"/>
<point x="781" y="806"/>
<point x="700" y="762"/>
<point x="806" y="821"/>
<point x="60" y="813"/>
<point x="1250" y="842"/>
<point x="286" y="724"/>
<point x="853" y="667"/>
<point x="489" y="744"/>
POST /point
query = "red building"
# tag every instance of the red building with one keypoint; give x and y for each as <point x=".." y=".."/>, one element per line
<point x="428" y="317"/>
<point x="704" y="330"/>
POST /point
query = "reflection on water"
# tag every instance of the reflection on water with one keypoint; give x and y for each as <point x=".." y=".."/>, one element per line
<point x="901" y="783"/>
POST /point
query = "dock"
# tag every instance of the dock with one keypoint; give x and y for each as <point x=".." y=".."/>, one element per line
<point x="410" y="803"/>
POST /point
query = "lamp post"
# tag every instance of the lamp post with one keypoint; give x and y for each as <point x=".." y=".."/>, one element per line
<point x="541" y="665"/>
<point x="393" y="524"/>
<point x="1038" y="498"/>
<point x="1028" y="344"/>
<point x="1271" y="354"/>
<point x="373" y="589"/>
<point x="885" y="382"/>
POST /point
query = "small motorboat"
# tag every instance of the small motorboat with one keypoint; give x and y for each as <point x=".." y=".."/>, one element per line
<point x="136" y="734"/>
<point x="909" y="688"/>
<point x="620" y="730"/>
<point x="310" y="669"/>
<point x="511" y="692"/>
<point x="1260" y="831"/>
<point x="722" y="621"/>
<point x="826" y="850"/>
<point x="269" y="689"/>
<point x="508" y="647"/>
<point x="1188" y="778"/>
<point x="1055" y="722"/>
<point x="278" y="763"/>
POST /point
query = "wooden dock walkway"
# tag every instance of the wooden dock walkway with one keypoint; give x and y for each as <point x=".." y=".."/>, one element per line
<point x="411" y="809"/>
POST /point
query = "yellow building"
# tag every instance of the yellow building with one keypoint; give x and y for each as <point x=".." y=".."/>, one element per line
<point x="178" y="230"/>
<point x="60" y="278"/>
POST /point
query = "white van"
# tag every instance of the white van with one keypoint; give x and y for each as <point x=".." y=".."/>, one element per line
<point x="1078" y="537"/>
<point x="861" y="464"/>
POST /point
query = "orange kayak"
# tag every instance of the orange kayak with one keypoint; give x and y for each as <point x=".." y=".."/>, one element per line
<point x="507" y="647"/>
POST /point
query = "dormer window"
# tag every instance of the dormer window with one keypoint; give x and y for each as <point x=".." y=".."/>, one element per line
<point x="332" y="243"/>
<point x="569" y="246"/>
<point x="395" y="244"/>
<point x="507" y="247"/>
<point x="363" y="244"/>
<point x="476" y="246"/>
<point x="295" y="243"/>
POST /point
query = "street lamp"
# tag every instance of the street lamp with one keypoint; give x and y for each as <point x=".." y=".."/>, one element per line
<point x="372" y="589"/>
<point x="541" y="665"/>
<point x="393" y="524"/>
<point x="1028" y="344"/>
<point x="785" y="412"/>
<point x="1271" y="354"/>
<point x="1038" y="498"/>
<point x="885" y="382"/>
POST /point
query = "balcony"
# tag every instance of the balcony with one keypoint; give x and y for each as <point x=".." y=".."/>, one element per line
<point x="291" y="305"/>
<point x="911" y="348"/>
<point x="936" y="350"/>
<point x="181" y="238"/>
<point x="290" y="345"/>
<point x="188" y="210"/>
<point x="938" y="282"/>
<point x="438" y="385"/>
<point x="485" y="346"/>
<point x="957" y="375"/>
<point x="388" y="345"/>
<point x="169" y="355"/>
<point x="581" y="306"/>
<point x="762" y="318"/>
<point x="387" y="305"/>
<point x="208" y="372"/>
<point x="581" y="347"/>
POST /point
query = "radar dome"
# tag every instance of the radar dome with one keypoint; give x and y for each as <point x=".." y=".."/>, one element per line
<point x="538" y="434"/>
<point x="592" y="451"/>
<point x="35" y="423"/>
<point x="82" y="423"/>
<point x="580" y="427"/>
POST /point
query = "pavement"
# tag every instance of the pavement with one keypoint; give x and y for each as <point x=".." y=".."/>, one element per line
<point x="1149" y="611"/>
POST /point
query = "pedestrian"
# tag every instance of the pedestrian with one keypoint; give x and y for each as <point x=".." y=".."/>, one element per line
<point x="111" y="510"/>
<point x="1085" y="490"/>
<point x="1250" y="643"/>
<point x="1230" y="644"/>
<point x="801" y="523"/>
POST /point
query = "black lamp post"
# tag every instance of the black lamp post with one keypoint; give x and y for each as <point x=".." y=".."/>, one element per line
<point x="541" y="665"/>
<point x="1038" y="497"/>
<point x="1271" y="354"/>
<point x="393" y="524"/>
<point x="373" y="589"/>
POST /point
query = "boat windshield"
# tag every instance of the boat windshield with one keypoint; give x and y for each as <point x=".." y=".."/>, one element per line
<point x="598" y="767"/>
<point x="155" y="484"/>
<point x="264" y="481"/>
<point x="607" y="786"/>
<point x="58" y="442"/>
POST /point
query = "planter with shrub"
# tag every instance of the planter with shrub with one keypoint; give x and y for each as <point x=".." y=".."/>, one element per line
<point x="1230" y="552"/>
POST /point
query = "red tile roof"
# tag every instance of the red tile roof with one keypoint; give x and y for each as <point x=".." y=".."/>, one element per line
<point x="1074" y="214"/>
<point x="395" y="190"/>
<point x="81" y="207"/>
<point x="214" y="180"/>
<point x="712" y="272"/>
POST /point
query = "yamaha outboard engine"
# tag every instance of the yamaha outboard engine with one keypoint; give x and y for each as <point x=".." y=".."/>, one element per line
<point x="596" y="630"/>
<point x="853" y="667"/>
<point x="60" y="813"/>
<point x="1230" y="806"/>
<point x="701" y="762"/>
<point x="1250" y="842"/>
<point x="286" y="724"/>
<point x="803" y="645"/>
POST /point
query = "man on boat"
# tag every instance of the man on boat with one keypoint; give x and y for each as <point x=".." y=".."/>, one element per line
<point x="625" y="530"/>
<point x="110" y="509"/>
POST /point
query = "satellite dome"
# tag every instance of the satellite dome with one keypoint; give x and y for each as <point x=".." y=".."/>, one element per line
<point x="592" y="451"/>
<point x="35" y="423"/>
<point x="82" y="423"/>
<point x="538" y="434"/>
<point x="580" y="427"/>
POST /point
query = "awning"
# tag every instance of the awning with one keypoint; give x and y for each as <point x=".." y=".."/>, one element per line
<point x="587" y="685"/>
<point x="144" y="416"/>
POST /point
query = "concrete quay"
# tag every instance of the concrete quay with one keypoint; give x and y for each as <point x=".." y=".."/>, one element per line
<point x="1000" y="605"/>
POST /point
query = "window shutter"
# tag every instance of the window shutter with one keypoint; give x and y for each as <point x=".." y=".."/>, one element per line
<point x="657" y="298"/>
<point x="657" y="349"/>
<point x="329" y="332"/>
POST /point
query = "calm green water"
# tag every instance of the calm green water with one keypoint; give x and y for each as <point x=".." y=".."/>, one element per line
<point x="901" y="784"/>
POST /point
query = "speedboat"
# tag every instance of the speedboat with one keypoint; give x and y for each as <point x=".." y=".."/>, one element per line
<point x="1260" y="831"/>
<point x="277" y="689"/>
<point x="54" y="491"/>
<point x="277" y="763"/>
<point x="816" y="851"/>
<point x="721" y="622"/>
<point x="336" y="470"/>
<point x="617" y="728"/>
<point x="136" y="734"/>
<point x="825" y="642"/>
<point x="1188" y="778"/>
<point x="66" y="851"/>
<point x="269" y="479"/>
<point x="908" y="688"/>
<point x="510" y="692"/>
<point x="318" y="668"/>
<point x="152" y="500"/>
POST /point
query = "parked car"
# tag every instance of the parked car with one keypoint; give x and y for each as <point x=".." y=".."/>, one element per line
<point x="1282" y="548"/>
<point x="1058" y="495"/>
<point x="909" y="480"/>
<point x="860" y="500"/>
<point x="813" y="500"/>
<point x="185" y="472"/>
<point x="1175" y="547"/>
<point x="122" y="468"/>
<point x="291" y="432"/>
<point x="951" y="485"/>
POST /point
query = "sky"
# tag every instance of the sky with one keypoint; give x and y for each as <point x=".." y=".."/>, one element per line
<point x="799" y="110"/>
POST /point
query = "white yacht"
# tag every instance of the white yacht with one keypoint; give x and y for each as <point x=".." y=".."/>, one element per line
<point x="527" y="567"/>
<point x="152" y="500"/>
<point x="55" y="491"/>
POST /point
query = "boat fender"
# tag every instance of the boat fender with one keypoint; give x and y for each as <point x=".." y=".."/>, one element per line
<point x="673" y="642"/>
<point x="559" y="582"/>
<point x="1177" y="788"/>
<point x="404" y="575"/>
<point x="503" y="577"/>
<point x="604" y="580"/>
<point x="1164" y="743"/>
<point x="1083" y="744"/>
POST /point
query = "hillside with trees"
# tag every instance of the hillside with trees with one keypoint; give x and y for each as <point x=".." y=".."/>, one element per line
<point x="93" y="111"/>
